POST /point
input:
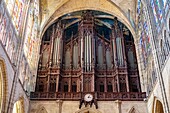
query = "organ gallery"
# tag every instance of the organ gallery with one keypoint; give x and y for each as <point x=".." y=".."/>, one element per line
<point x="87" y="52"/>
<point x="84" y="56"/>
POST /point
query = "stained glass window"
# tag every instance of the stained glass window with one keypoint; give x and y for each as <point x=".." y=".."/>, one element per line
<point x="139" y="7"/>
<point x="164" y="3"/>
<point x="16" y="9"/>
<point x="8" y="39"/>
<point x="166" y="8"/>
<point x="17" y="14"/>
<point x="10" y="5"/>
<point x="145" y="35"/>
<point x="159" y="11"/>
<point x="155" y="15"/>
<point x="31" y="41"/>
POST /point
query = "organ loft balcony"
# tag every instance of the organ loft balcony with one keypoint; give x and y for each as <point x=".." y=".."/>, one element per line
<point x="88" y="52"/>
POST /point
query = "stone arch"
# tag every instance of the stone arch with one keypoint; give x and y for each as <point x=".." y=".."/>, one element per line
<point x="3" y="86"/>
<point x="157" y="106"/>
<point x="133" y="110"/>
<point x="100" y="5"/>
<point x="41" y="110"/>
<point x="88" y="110"/>
<point x="19" y="106"/>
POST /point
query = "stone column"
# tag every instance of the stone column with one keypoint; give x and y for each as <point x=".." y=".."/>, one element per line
<point x="118" y="103"/>
<point x="59" y="105"/>
<point x="57" y="83"/>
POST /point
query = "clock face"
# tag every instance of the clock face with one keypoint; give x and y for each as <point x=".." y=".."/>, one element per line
<point x="88" y="97"/>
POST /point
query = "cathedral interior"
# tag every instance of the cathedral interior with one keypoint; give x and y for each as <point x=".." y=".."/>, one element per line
<point x="84" y="56"/>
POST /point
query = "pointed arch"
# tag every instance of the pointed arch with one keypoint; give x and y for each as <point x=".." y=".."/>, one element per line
<point x="41" y="110"/>
<point x="157" y="106"/>
<point x="133" y="110"/>
<point x="88" y="110"/>
<point x="19" y="106"/>
<point x="107" y="6"/>
<point x="3" y="86"/>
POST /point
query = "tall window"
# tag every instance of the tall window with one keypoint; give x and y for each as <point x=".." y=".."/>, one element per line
<point x="122" y="84"/>
<point x="101" y="87"/>
<point x="109" y="87"/>
<point x="52" y="84"/>
<point x="74" y="87"/>
<point x="134" y="85"/>
<point x="65" y="87"/>
<point x="41" y="87"/>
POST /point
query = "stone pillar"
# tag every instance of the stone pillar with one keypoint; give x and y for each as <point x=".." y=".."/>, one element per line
<point x="59" y="105"/>
<point x="118" y="103"/>
<point x="57" y="82"/>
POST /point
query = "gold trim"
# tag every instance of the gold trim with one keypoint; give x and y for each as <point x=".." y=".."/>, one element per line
<point x="3" y="82"/>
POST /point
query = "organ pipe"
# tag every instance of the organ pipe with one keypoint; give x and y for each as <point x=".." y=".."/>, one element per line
<point x="93" y="51"/>
<point x="52" y="44"/>
<point x="58" y="49"/>
<point x="67" y="59"/>
<point x="90" y="52"/>
<point x="85" y="53"/>
<point x="81" y="51"/>
<point x="45" y="55"/>
<point x="113" y="50"/>
<point x="123" y="49"/>
<point x="121" y="52"/>
<point x="57" y="52"/>
<point x="61" y="50"/>
<point x="108" y="59"/>
<point x="75" y="56"/>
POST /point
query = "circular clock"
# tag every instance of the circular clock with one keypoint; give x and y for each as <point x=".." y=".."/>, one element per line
<point x="88" y="97"/>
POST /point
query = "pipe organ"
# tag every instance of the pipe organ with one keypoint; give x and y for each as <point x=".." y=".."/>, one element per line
<point x="87" y="56"/>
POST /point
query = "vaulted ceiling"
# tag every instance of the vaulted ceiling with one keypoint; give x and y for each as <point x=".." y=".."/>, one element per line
<point x="51" y="10"/>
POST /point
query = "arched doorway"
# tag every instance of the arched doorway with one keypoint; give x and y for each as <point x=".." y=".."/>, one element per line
<point x="159" y="107"/>
<point x="3" y="86"/>
<point x="19" y="106"/>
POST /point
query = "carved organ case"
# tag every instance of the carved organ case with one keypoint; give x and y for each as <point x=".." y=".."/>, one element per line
<point x="87" y="51"/>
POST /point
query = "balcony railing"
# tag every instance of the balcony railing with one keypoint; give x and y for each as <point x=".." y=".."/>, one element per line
<point x="109" y="96"/>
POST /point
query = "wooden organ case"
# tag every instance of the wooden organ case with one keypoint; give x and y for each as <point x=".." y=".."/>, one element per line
<point x="76" y="62"/>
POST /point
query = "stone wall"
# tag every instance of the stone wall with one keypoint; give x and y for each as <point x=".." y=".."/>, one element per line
<point x="59" y="106"/>
<point x="9" y="72"/>
<point x="18" y="90"/>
